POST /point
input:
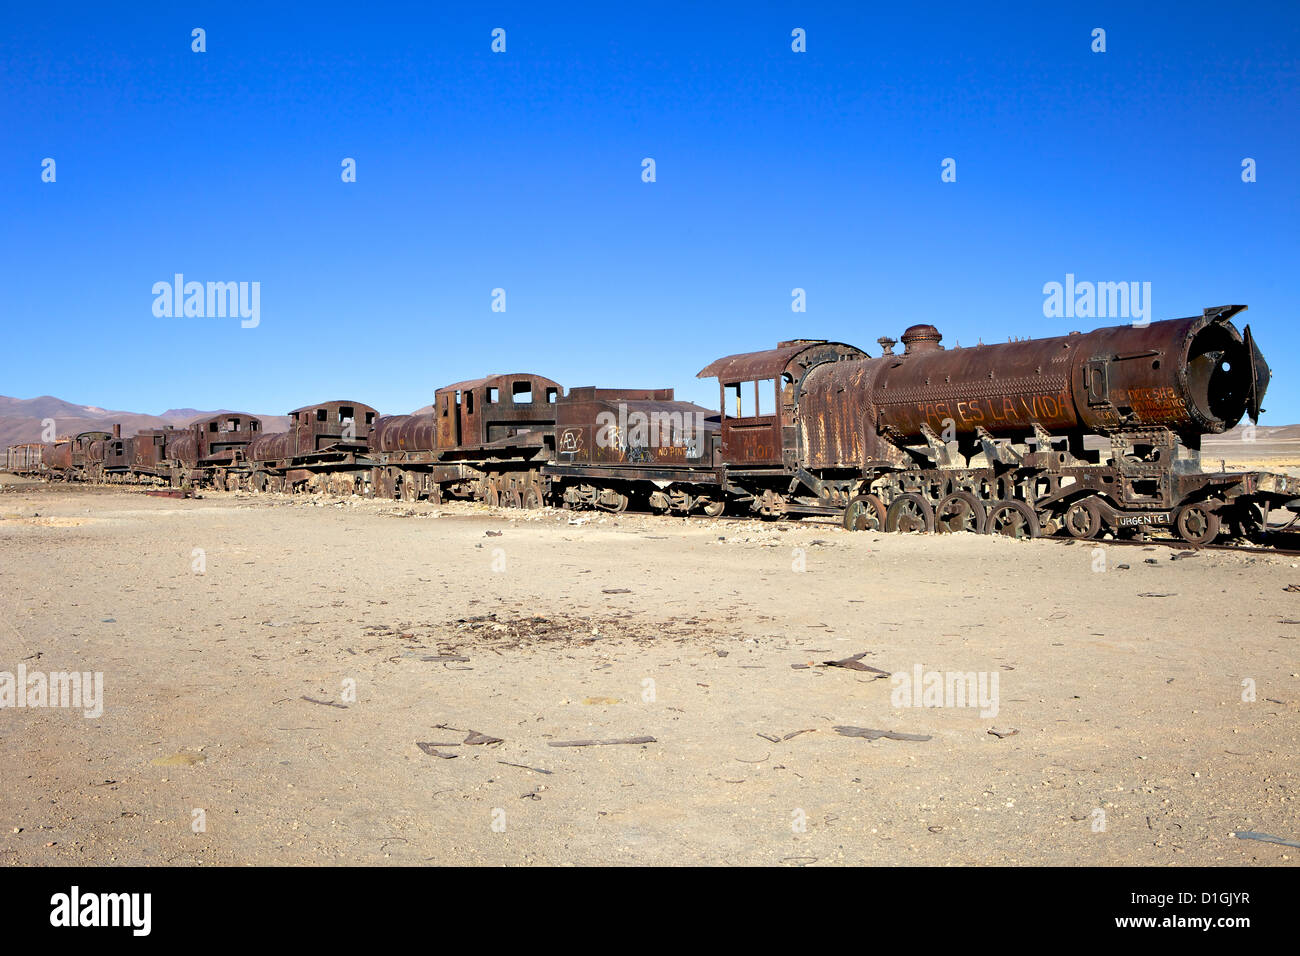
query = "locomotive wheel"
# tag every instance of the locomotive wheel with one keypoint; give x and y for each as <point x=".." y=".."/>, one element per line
<point x="1197" y="524"/>
<point x="714" y="509"/>
<point x="864" y="513"/>
<point x="408" y="489"/>
<point x="1013" y="519"/>
<point x="1245" y="519"/>
<point x="1083" y="519"/>
<point x="909" y="513"/>
<point x="511" y="498"/>
<point x="533" y="498"/>
<point x="610" y="500"/>
<point x="492" y="494"/>
<point x="960" y="511"/>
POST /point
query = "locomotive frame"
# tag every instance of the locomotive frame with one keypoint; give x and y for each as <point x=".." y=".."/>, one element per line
<point x="1076" y="434"/>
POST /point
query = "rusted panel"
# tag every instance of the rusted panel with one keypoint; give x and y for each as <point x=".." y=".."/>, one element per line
<point x="276" y="446"/>
<point x="119" y="453"/>
<point x="149" y="448"/>
<point x="329" y="425"/>
<point x="768" y="439"/>
<point x="221" y="439"/>
<point x="25" y="457"/>
<point x="88" y="448"/>
<point x="750" y="366"/>
<point x="633" y="427"/>
<point x="836" y="423"/>
<point x="402" y="433"/>
<point x="58" y="455"/>
<point x="1191" y="374"/>
<point x="484" y="411"/>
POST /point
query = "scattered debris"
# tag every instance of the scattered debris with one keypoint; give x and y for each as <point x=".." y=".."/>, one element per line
<point x="877" y="734"/>
<point x="1156" y="594"/>
<point x="476" y="739"/>
<point x="999" y="732"/>
<point x="616" y="591"/>
<point x="325" y="703"/>
<point x="854" y="663"/>
<point x="1179" y="555"/>
<point x="1264" y="837"/>
<point x="521" y="766"/>
<point x="601" y="743"/>
<point x="433" y="751"/>
<point x="492" y="534"/>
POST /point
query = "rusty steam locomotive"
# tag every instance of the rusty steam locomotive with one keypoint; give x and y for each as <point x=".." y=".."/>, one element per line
<point x="1076" y="434"/>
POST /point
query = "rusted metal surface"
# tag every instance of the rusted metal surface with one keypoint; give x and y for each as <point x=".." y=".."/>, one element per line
<point x="221" y="439"/>
<point x="1193" y="375"/>
<point x="836" y="418"/>
<point x="403" y="434"/>
<point x="757" y="398"/>
<point x="1075" y="434"/>
<point x="750" y="366"/>
<point x="485" y="411"/>
<point x="331" y="425"/>
<point x="635" y="427"/>
<point x="275" y="446"/>
<point x="329" y="428"/>
<point x="119" y="453"/>
<point x="24" y="458"/>
<point x="149" y="449"/>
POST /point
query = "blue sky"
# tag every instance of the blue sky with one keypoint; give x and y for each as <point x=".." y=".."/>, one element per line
<point x="523" y="171"/>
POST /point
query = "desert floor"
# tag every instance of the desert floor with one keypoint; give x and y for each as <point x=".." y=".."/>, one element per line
<point x="271" y="663"/>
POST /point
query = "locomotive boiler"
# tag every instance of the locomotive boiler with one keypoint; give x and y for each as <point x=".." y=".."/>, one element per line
<point x="999" y="434"/>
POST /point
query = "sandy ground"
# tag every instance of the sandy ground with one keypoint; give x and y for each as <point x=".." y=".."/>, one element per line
<point x="1282" y="455"/>
<point x="1120" y="691"/>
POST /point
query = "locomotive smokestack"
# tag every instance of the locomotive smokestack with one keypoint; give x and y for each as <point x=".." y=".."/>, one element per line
<point x="117" y="431"/>
<point x="921" y="338"/>
<point x="886" y="345"/>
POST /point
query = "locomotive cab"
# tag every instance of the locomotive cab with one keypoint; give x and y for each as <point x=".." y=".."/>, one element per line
<point x="496" y="409"/>
<point x="758" y="394"/>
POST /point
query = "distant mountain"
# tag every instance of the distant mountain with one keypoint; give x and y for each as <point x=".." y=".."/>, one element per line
<point x="185" y="414"/>
<point x="22" y="419"/>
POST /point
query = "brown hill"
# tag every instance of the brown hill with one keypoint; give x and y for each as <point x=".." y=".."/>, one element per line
<point x="22" y="419"/>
